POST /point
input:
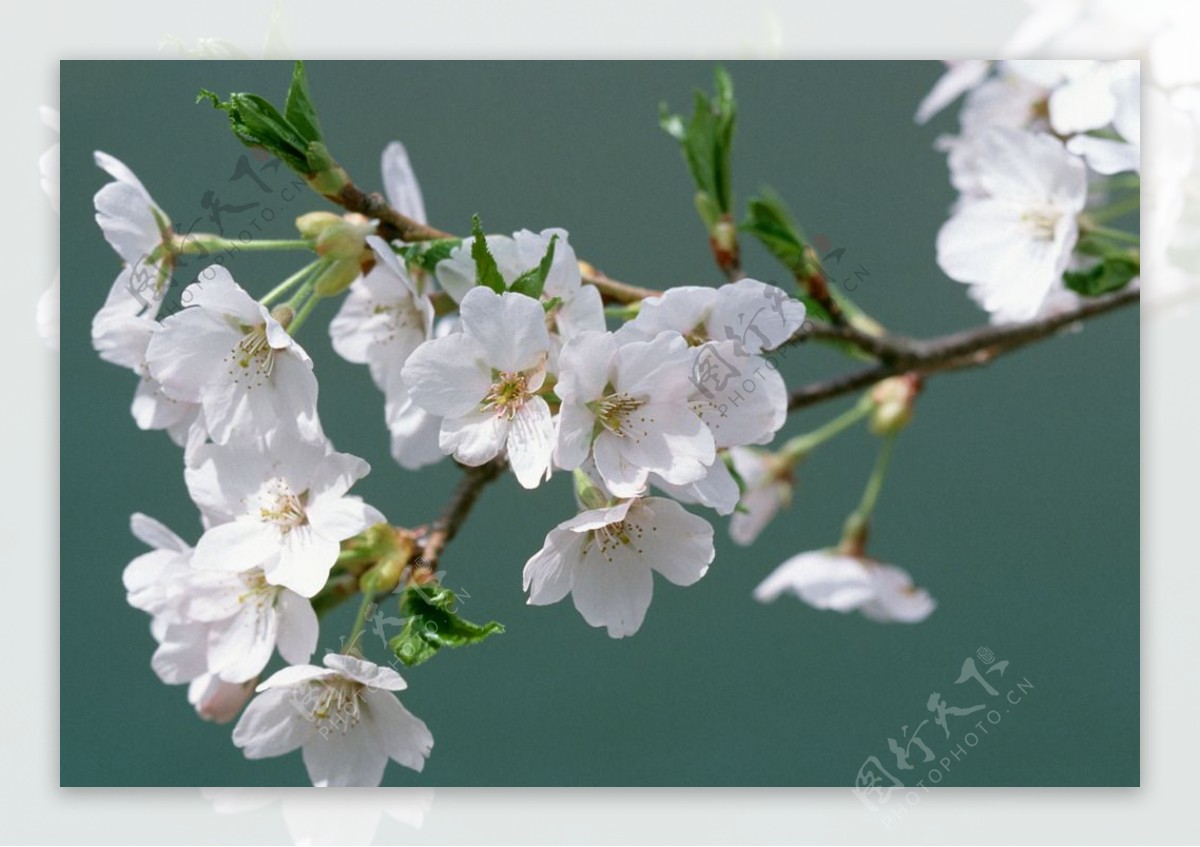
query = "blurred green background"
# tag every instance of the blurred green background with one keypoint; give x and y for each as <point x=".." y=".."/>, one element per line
<point x="1013" y="498"/>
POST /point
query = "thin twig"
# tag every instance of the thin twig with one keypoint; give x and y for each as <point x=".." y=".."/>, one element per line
<point x="455" y="512"/>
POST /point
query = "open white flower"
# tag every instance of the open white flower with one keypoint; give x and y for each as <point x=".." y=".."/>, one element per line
<point x="383" y="318"/>
<point x="213" y="622"/>
<point x="484" y="384"/>
<point x="124" y="341"/>
<point x="579" y="308"/>
<point x="742" y="400"/>
<point x="226" y="352"/>
<point x="604" y="559"/>
<point x="627" y="405"/>
<point x="754" y="315"/>
<point x="825" y="579"/>
<point x="1013" y="243"/>
<point x="140" y="233"/>
<point x="281" y="507"/>
<point x="344" y="716"/>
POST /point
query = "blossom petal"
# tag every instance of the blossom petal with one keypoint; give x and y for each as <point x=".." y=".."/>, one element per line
<point x="405" y="737"/>
<point x="366" y="672"/>
<point x="304" y="561"/>
<point x="530" y="441"/>
<point x="822" y="580"/>
<point x="549" y="573"/>
<point x="298" y="628"/>
<point x="613" y="589"/>
<point x="400" y="183"/>
<point x="239" y="648"/>
<point x="510" y="327"/>
<point x="272" y="725"/>
<point x="676" y="543"/>
<point x="448" y="376"/>
<point x="352" y="758"/>
<point x="339" y="518"/>
<point x="155" y="534"/>
<point x="474" y="438"/>
<point x="238" y="545"/>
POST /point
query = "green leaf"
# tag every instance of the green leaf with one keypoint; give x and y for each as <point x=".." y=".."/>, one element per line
<point x="486" y="271"/>
<point x="257" y="123"/>
<point x="1113" y="273"/>
<point x="432" y="622"/>
<point x="769" y="220"/>
<point x="294" y="136"/>
<point x="299" y="109"/>
<point x="707" y="141"/>
<point x="533" y="280"/>
<point x="427" y="254"/>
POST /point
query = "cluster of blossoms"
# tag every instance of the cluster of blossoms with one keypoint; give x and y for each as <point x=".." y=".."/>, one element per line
<point x="1035" y="162"/>
<point x="226" y="379"/>
<point x="496" y="351"/>
<point x="672" y="401"/>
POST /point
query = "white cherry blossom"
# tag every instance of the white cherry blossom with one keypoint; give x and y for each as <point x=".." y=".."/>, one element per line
<point x="755" y="315"/>
<point x="1013" y="242"/>
<point x="627" y="406"/>
<point x="282" y="507"/>
<point x="213" y="622"/>
<point x="484" y="382"/>
<point x="580" y="308"/>
<point x="383" y="318"/>
<point x="604" y="558"/>
<point x="825" y="579"/>
<point x="345" y="717"/>
<point x="140" y="233"/>
<point x="226" y="352"/>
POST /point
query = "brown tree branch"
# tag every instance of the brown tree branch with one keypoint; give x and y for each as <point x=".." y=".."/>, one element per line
<point x="966" y="349"/>
<point x="454" y="513"/>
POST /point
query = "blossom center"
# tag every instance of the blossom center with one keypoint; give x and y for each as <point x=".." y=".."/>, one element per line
<point x="616" y="535"/>
<point x="396" y="316"/>
<point x="284" y="508"/>
<point x="333" y="705"/>
<point x="258" y="590"/>
<point x="507" y="394"/>
<point x="1042" y="222"/>
<point x="614" y="412"/>
<point x="253" y="359"/>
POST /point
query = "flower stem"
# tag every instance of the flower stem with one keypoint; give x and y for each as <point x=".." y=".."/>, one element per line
<point x="875" y="482"/>
<point x="203" y="243"/>
<point x="854" y="535"/>
<point x="303" y="312"/>
<point x="795" y="449"/>
<point x="360" y="620"/>
<point x="283" y="287"/>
